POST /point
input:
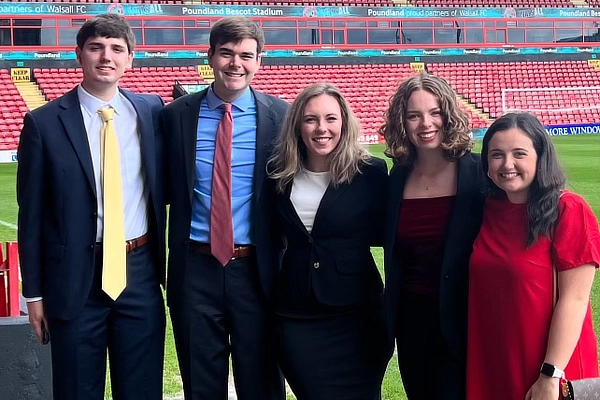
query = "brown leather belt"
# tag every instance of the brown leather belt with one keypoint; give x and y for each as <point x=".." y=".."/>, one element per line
<point x="130" y="245"/>
<point x="239" y="251"/>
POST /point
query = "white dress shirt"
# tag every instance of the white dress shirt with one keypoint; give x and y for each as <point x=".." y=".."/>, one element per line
<point x="134" y="188"/>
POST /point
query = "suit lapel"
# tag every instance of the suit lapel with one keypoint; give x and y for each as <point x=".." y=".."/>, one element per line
<point x="328" y="203"/>
<point x="146" y="132"/>
<point x="189" y="131"/>
<point x="397" y="182"/>
<point x="265" y="135"/>
<point x="288" y="210"/>
<point x="72" y="121"/>
<point x="466" y="194"/>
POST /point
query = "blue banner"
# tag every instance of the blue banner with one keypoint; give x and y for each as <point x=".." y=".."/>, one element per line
<point x="214" y="10"/>
<point x="555" y="130"/>
<point x="573" y="129"/>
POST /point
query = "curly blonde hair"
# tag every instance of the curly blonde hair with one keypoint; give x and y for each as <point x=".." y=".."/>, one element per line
<point x="457" y="139"/>
<point x="290" y="152"/>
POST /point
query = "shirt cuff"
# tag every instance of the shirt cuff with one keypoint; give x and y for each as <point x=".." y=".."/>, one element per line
<point x="33" y="299"/>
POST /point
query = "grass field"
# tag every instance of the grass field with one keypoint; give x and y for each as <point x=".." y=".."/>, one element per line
<point x="580" y="156"/>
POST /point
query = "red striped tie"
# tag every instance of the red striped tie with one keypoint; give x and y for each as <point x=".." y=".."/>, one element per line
<point x="221" y="220"/>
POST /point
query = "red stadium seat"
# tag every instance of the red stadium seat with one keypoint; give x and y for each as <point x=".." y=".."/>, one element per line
<point x="552" y="105"/>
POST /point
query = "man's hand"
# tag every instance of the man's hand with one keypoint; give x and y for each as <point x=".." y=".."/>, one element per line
<point x="37" y="319"/>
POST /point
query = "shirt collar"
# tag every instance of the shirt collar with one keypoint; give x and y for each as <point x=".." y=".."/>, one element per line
<point x="92" y="104"/>
<point x="242" y="103"/>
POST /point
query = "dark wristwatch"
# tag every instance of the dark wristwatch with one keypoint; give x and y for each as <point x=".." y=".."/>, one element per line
<point x="551" y="371"/>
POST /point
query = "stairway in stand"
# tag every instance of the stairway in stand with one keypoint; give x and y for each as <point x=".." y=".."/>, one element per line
<point x="31" y="93"/>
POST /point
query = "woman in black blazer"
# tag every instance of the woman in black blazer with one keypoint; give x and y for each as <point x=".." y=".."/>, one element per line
<point x="434" y="214"/>
<point x="331" y="332"/>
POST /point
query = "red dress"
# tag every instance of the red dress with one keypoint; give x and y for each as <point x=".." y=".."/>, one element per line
<point x="510" y="297"/>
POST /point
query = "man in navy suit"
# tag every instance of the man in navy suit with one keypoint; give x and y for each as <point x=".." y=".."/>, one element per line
<point x="217" y="307"/>
<point x="61" y="210"/>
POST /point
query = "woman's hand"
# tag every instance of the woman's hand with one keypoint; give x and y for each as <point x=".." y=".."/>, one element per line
<point x="545" y="388"/>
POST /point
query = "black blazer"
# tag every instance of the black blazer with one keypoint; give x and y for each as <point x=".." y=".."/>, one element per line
<point x="334" y="261"/>
<point x="462" y="230"/>
<point x="180" y="125"/>
<point x="57" y="200"/>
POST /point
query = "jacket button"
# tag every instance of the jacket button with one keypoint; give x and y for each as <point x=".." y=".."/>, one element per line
<point x="316" y="265"/>
<point x="446" y="276"/>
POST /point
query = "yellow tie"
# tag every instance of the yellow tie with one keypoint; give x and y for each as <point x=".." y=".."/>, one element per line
<point x="114" y="272"/>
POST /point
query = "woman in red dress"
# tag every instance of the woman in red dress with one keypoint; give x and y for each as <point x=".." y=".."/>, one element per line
<point x="521" y="340"/>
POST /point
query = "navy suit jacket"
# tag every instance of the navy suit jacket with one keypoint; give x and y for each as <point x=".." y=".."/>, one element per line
<point x="463" y="227"/>
<point x="180" y="125"/>
<point x="334" y="261"/>
<point x="57" y="200"/>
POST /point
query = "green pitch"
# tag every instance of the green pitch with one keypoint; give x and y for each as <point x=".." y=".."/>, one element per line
<point x="580" y="156"/>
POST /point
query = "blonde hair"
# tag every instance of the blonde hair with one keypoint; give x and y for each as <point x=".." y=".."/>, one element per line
<point x="456" y="138"/>
<point x="290" y="152"/>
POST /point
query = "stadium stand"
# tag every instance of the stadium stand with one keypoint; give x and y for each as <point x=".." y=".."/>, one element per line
<point x="328" y="3"/>
<point x="368" y="88"/>
<point x="12" y="110"/>
<point x="493" y="3"/>
<point x="178" y="2"/>
<point x="338" y="3"/>
<point x="482" y="84"/>
<point x="54" y="82"/>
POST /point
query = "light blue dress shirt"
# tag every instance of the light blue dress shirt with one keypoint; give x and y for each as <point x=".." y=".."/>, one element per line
<point x="242" y="168"/>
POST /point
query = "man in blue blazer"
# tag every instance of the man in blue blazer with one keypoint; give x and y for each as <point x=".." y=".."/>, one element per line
<point x="61" y="210"/>
<point x="217" y="307"/>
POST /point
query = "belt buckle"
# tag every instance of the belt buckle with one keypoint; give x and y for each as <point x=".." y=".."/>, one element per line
<point x="131" y="245"/>
<point x="236" y="250"/>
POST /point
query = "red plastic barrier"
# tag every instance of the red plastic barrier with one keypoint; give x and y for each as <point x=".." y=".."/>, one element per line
<point x="9" y="281"/>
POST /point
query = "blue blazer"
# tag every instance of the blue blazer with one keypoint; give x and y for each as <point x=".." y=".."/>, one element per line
<point x="180" y="125"/>
<point x="57" y="200"/>
<point x="464" y="226"/>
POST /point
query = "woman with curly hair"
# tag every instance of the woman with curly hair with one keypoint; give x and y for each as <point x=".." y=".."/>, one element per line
<point x="330" y="327"/>
<point x="434" y="213"/>
<point x="531" y="271"/>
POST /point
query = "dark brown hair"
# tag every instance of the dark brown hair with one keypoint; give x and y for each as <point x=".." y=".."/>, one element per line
<point x="236" y="29"/>
<point x="109" y="25"/>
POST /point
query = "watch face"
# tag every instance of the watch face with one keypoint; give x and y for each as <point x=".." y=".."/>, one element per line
<point x="547" y="369"/>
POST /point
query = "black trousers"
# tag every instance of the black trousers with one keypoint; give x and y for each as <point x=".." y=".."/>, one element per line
<point x="338" y="357"/>
<point x="223" y="311"/>
<point x="132" y="328"/>
<point x="429" y="372"/>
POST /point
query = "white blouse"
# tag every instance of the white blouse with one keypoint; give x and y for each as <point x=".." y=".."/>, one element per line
<point x="308" y="189"/>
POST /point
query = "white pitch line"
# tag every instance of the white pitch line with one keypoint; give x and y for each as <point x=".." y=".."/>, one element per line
<point x="13" y="226"/>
